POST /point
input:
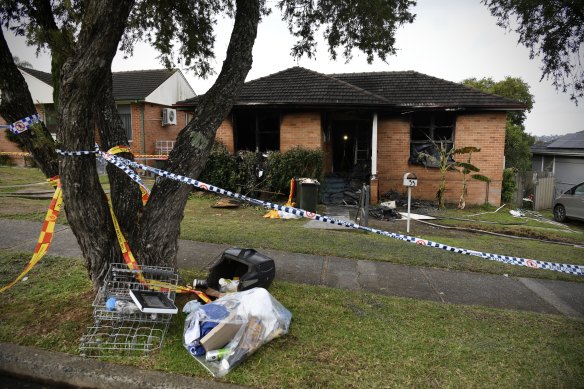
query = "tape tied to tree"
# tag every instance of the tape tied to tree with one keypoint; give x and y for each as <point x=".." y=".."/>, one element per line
<point x="22" y="125"/>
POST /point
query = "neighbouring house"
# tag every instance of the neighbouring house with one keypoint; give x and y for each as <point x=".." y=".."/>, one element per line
<point x="373" y="127"/>
<point x="564" y="158"/>
<point x="144" y="99"/>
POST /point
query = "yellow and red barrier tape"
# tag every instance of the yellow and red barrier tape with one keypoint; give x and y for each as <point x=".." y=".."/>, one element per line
<point x="133" y="265"/>
<point x="47" y="231"/>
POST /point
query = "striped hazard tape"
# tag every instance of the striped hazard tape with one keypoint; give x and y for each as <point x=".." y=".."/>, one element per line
<point x="109" y="156"/>
<point x="47" y="231"/>
<point x="22" y="125"/>
<point x="532" y="263"/>
<point x="132" y="264"/>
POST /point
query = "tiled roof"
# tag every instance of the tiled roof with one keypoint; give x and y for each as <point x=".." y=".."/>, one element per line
<point x="567" y="145"/>
<point x="569" y="141"/>
<point x="132" y="85"/>
<point x="413" y="89"/>
<point x="44" y="77"/>
<point x="138" y="84"/>
<point x="302" y="86"/>
<point x="391" y="90"/>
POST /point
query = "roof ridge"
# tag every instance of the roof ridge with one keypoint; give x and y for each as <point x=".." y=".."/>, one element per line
<point x="174" y="70"/>
<point x="373" y="73"/>
<point x="471" y="88"/>
<point x="355" y="87"/>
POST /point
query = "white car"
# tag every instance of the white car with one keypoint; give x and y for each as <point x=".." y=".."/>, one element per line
<point x="570" y="205"/>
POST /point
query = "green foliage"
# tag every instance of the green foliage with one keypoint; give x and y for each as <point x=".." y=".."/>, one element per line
<point x="445" y="164"/>
<point x="248" y="167"/>
<point x="512" y="88"/>
<point x="552" y="30"/>
<point x="297" y="162"/>
<point x="518" y="148"/>
<point x="509" y="186"/>
<point x="369" y="26"/>
<point x="183" y="31"/>
<point x="517" y="142"/>
<point x="6" y="160"/>
<point x="241" y="172"/>
<point x="220" y="168"/>
<point x="466" y="168"/>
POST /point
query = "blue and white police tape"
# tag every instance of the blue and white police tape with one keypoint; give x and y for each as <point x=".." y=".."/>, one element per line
<point x="120" y="163"/>
<point x="75" y="153"/>
<point x="536" y="264"/>
<point x="22" y="125"/>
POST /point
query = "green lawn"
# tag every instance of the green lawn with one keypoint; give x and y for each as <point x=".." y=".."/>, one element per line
<point x="338" y="338"/>
<point x="245" y="226"/>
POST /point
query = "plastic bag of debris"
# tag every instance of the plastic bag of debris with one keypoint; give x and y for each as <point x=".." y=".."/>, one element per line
<point x="222" y="334"/>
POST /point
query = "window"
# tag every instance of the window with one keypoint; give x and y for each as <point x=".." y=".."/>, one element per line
<point x="427" y="131"/>
<point x="51" y="119"/>
<point x="257" y="131"/>
<point x="188" y="117"/>
<point x="125" y="112"/>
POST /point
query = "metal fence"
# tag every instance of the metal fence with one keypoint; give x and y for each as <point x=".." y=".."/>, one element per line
<point x="538" y="184"/>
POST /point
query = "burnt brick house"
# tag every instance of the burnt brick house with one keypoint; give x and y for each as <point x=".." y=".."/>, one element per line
<point x="373" y="126"/>
<point x="144" y="100"/>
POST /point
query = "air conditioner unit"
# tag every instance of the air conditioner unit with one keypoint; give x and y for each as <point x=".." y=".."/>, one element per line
<point x="168" y="116"/>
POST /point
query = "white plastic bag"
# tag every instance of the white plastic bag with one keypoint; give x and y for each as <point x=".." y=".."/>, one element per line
<point x="244" y="321"/>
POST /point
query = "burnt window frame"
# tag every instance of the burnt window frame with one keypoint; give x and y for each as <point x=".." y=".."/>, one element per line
<point x="259" y="133"/>
<point x="436" y="123"/>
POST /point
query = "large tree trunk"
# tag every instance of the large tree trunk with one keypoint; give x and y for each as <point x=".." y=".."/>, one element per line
<point x="17" y="104"/>
<point x="160" y="225"/>
<point x="125" y="194"/>
<point x="82" y="79"/>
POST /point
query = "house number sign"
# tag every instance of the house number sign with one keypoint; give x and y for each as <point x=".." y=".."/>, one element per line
<point x="410" y="180"/>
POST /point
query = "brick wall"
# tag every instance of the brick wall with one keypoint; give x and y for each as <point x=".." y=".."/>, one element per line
<point x="153" y="128"/>
<point x="301" y="129"/>
<point x="225" y="134"/>
<point x="485" y="130"/>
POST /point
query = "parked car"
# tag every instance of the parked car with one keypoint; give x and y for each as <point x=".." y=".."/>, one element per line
<point x="570" y="205"/>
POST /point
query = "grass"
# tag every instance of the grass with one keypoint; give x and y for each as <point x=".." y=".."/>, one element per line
<point x="338" y="338"/>
<point x="246" y="227"/>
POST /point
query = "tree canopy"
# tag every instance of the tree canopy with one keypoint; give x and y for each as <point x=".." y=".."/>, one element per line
<point x="517" y="141"/>
<point x="552" y="30"/>
<point x="84" y="35"/>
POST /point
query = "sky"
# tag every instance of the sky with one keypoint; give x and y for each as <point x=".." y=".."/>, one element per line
<point x="449" y="39"/>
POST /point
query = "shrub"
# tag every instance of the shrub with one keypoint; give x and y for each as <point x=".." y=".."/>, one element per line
<point x="6" y="160"/>
<point x="220" y="169"/>
<point x="509" y="185"/>
<point x="241" y="172"/>
<point x="297" y="162"/>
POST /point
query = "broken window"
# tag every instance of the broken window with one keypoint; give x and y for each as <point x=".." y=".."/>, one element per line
<point x="256" y="131"/>
<point x="429" y="130"/>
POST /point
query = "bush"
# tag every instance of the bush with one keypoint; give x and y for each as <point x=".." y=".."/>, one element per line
<point x="509" y="185"/>
<point x="241" y="172"/>
<point x="220" y="169"/>
<point x="6" y="160"/>
<point x="297" y="162"/>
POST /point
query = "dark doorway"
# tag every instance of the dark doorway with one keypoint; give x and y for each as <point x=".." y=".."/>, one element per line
<point x="351" y="141"/>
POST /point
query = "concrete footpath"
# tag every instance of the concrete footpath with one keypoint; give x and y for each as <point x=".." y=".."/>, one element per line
<point x="443" y="286"/>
